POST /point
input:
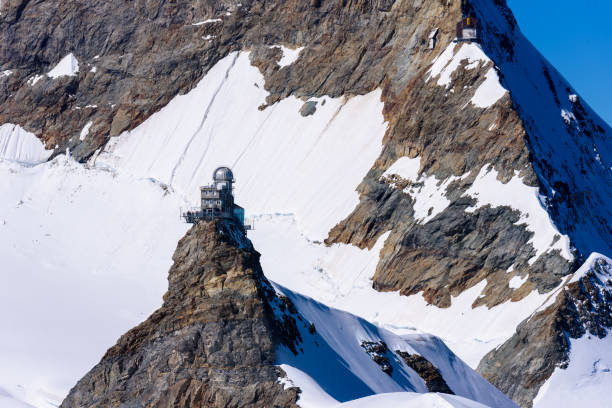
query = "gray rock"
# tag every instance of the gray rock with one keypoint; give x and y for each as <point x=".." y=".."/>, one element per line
<point x="309" y="108"/>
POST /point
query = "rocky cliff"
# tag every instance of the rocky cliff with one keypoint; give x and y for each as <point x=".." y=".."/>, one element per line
<point x="211" y="344"/>
<point x="583" y="306"/>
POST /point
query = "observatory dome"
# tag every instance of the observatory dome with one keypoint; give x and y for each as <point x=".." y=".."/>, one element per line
<point x="223" y="174"/>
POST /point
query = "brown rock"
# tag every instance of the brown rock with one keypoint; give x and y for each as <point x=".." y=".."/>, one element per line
<point x="212" y="342"/>
<point x="542" y="342"/>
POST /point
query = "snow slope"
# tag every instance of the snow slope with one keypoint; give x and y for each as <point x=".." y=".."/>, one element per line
<point x="16" y="144"/>
<point x="412" y="400"/>
<point x="76" y="244"/>
<point x="340" y="276"/>
<point x="587" y="380"/>
<point x="349" y="373"/>
<point x="284" y="162"/>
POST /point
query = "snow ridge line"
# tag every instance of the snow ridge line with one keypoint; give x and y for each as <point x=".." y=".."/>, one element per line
<point x="206" y="112"/>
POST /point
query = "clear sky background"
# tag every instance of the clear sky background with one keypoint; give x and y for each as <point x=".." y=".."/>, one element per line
<point x="576" y="37"/>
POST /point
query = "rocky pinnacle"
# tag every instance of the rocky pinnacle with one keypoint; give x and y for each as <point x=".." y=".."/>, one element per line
<point x="212" y="342"/>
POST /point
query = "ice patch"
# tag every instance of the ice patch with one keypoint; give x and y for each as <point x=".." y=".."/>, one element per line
<point x="289" y="55"/>
<point x="6" y="73"/>
<point x="68" y="66"/>
<point x="490" y="91"/>
<point x="516" y="282"/>
<point x="448" y="62"/>
<point x="209" y="21"/>
<point x="85" y="130"/>
<point x="488" y="190"/>
<point x="18" y="145"/>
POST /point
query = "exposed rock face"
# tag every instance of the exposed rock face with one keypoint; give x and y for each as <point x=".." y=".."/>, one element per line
<point x="146" y="53"/>
<point x="212" y="342"/>
<point x="542" y="343"/>
<point x="378" y="353"/>
<point x="134" y="57"/>
<point x="427" y="371"/>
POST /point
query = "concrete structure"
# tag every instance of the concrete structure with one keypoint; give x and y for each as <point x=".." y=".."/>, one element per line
<point x="217" y="200"/>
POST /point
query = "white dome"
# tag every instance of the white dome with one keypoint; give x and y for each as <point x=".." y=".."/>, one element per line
<point x="223" y="174"/>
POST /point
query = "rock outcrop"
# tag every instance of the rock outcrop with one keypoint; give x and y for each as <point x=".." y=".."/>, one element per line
<point x="583" y="306"/>
<point x="211" y="344"/>
<point x="427" y="371"/>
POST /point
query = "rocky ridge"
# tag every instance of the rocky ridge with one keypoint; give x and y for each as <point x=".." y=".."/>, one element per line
<point x="427" y="371"/>
<point x="583" y="306"/>
<point x="211" y="344"/>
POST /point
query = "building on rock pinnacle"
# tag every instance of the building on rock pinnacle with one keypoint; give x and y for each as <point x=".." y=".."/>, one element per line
<point x="217" y="200"/>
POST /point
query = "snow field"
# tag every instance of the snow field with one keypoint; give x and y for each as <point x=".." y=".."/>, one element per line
<point x="334" y="366"/>
<point x="85" y="255"/>
<point x="489" y="92"/>
<point x="340" y="277"/>
<point x="18" y="145"/>
<point x="283" y="162"/>
<point x="586" y="382"/>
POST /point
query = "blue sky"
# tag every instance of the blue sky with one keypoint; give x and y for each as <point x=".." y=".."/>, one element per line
<point x="576" y="37"/>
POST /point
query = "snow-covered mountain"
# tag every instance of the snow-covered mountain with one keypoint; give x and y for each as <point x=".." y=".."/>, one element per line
<point x="461" y="191"/>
